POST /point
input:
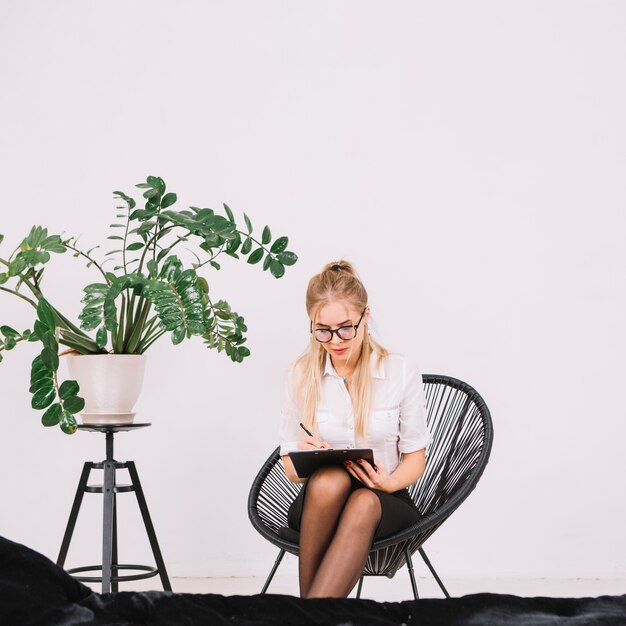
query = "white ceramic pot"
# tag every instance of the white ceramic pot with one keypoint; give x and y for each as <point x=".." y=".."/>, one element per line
<point x="110" y="385"/>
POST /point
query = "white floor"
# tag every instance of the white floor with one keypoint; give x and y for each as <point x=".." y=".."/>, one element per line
<point x="398" y="588"/>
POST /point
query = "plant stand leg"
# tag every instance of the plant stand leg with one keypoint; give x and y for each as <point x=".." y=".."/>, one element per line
<point x="143" y="507"/>
<point x="114" y="559"/>
<point x="108" y="491"/>
<point x="71" y="522"/>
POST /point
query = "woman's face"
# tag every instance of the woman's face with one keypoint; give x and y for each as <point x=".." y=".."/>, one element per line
<point x="340" y="314"/>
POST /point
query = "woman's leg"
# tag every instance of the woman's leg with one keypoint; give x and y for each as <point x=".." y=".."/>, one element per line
<point x="326" y="493"/>
<point x="345" y="558"/>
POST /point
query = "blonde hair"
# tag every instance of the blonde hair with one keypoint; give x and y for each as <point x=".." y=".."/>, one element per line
<point x="337" y="281"/>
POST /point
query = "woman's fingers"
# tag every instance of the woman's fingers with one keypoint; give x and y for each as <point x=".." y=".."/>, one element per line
<point x="310" y="443"/>
<point x="358" y="473"/>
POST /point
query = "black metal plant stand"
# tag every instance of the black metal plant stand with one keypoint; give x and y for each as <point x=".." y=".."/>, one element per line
<point x="110" y="567"/>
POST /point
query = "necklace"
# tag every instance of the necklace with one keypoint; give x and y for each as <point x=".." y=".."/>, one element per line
<point x="345" y="378"/>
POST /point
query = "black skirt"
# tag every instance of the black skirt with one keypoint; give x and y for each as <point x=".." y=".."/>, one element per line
<point x="398" y="510"/>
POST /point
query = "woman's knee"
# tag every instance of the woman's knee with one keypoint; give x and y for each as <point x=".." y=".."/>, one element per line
<point x="329" y="481"/>
<point x="363" y="505"/>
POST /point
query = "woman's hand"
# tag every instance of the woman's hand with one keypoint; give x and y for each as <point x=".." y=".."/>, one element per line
<point x="310" y="443"/>
<point x="410" y="469"/>
<point x="373" y="478"/>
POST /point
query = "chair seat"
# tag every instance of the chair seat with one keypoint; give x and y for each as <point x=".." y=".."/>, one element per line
<point x="289" y="534"/>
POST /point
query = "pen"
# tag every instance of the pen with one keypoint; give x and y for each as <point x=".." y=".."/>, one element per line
<point x="306" y="430"/>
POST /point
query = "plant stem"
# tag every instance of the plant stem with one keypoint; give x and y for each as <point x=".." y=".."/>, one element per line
<point x="138" y="324"/>
<point x="152" y="340"/>
<point x="19" y="295"/>
<point x="79" y="343"/>
<point x="153" y="240"/>
<point x="118" y="345"/>
<point x="93" y="261"/>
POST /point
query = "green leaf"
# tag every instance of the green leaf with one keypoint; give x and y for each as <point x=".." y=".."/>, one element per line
<point x="266" y="237"/>
<point x="256" y="256"/>
<point x="215" y="264"/>
<point x="68" y="423"/>
<point x="101" y="337"/>
<point x="135" y="246"/>
<point x="279" y="245"/>
<point x="231" y="217"/>
<point x="52" y="416"/>
<point x="17" y="266"/>
<point x="50" y="360"/>
<point x="287" y="258"/>
<point x="266" y="263"/>
<point x="42" y="382"/>
<point x="3" y="278"/>
<point x="49" y="341"/>
<point x="43" y="398"/>
<point x="46" y="315"/>
<point x="234" y="244"/>
<point x="40" y="329"/>
<point x="168" y="200"/>
<point x="178" y="335"/>
<point x="53" y="244"/>
<point x="247" y="246"/>
<point x="7" y="331"/>
<point x="153" y="268"/>
<point x="9" y="343"/>
<point x="68" y="388"/>
<point x="74" y="404"/>
<point x="248" y="223"/>
<point x="277" y="269"/>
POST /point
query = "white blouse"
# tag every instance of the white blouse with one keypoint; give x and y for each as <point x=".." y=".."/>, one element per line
<point x="396" y="424"/>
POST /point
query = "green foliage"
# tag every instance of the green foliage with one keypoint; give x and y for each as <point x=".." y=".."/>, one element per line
<point x="148" y="293"/>
<point x="61" y="402"/>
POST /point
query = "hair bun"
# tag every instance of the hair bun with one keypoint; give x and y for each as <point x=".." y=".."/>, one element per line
<point x="340" y="266"/>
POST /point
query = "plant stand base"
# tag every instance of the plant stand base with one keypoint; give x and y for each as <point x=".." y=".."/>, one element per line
<point x="110" y="566"/>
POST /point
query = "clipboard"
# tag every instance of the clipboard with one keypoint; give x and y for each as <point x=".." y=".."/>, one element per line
<point x="305" y="462"/>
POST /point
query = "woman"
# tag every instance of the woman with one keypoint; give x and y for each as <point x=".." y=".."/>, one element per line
<point x="350" y="393"/>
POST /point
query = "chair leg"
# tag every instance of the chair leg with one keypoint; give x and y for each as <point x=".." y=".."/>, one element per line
<point x="279" y="558"/>
<point x="433" y="572"/>
<point x="409" y="565"/>
<point x="358" y="589"/>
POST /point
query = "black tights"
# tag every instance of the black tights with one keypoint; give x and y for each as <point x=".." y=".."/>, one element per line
<point x="336" y="533"/>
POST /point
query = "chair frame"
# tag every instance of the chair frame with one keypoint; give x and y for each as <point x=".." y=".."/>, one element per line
<point x="386" y="555"/>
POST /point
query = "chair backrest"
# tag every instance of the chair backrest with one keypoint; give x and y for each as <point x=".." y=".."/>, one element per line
<point x="462" y="436"/>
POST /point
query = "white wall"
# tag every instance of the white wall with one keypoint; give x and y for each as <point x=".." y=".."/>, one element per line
<point x="468" y="157"/>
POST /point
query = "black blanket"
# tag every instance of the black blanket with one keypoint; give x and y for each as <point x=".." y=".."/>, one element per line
<point x="35" y="592"/>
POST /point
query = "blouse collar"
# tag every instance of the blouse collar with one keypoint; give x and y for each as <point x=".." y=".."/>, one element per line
<point x="376" y="370"/>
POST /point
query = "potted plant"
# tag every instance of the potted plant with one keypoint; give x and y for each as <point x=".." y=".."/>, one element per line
<point x="146" y="294"/>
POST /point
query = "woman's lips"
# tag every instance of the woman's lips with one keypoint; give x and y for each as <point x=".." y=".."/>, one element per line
<point x="339" y="350"/>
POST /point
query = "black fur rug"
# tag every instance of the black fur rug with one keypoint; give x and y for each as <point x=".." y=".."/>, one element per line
<point x="35" y="592"/>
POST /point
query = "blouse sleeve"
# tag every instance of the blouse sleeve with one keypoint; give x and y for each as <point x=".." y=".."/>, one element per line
<point x="414" y="433"/>
<point x="289" y="433"/>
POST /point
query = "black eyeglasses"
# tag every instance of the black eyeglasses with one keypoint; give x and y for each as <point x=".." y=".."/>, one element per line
<point x="346" y="333"/>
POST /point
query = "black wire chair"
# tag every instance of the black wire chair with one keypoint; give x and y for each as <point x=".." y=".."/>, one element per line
<point x="462" y="436"/>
